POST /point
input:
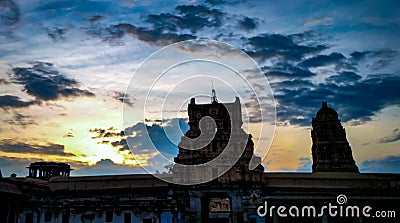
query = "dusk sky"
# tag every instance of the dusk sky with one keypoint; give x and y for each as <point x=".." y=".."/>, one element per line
<point x="65" y="66"/>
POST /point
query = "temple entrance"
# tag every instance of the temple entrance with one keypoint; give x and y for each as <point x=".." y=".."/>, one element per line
<point x="216" y="208"/>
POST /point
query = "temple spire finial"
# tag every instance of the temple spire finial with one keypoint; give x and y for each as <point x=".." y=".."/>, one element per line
<point x="213" y="94"/>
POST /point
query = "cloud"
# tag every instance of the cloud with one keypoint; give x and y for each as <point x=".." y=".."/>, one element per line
<point x="375" y="59"/>
<point x="312" y="37"/>
<point x="382" y="53"/>
<point x="323" y="60"/>
<point x="248" y="23"/>
<point x="354" y="101"/>
<point x="21" y="120"/>
<point x="169" y="27"/>
<point x="142" y="136"/>
<point x="292" y="63"/>
<point x="11" y="146"/>
<point x="106" y="133"/>
<point x="56" y="34"/>
<point x="290" y="84"/>
<point x="96" y="18"/>
<point x="123" y="98"/>
<point x="190" y="17"/>
<point x="46" y="83"/>
<point x="11" y="101"/>
<point x="267" y="46"/>
<point x="9" y="14"/>
<point x="70" y="134"/>
<point x="161" y="29"/>
<point x="388" y="164"/>
<point x="282" y="70"/>
<point x="150" y="36"/>
<point x="344" y="78"/>
<point x="320" y="21"/>
<point x="395" y="136"/>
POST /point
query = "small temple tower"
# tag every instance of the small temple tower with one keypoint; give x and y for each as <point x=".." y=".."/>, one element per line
<point x="330" y="150"/>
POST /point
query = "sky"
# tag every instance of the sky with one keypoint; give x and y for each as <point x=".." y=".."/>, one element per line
<point x="65" y="67"/>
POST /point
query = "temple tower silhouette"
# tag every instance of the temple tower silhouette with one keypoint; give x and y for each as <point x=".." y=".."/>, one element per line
<point x="330" y="150"/>
<point x="228" y="133"/>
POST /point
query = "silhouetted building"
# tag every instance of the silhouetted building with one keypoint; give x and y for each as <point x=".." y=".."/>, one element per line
<point x="47" y="170"/>
<point x="330" y="149"/>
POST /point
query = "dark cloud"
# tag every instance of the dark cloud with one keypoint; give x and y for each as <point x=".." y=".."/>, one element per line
<point x="312" y="37"/>
<point x="395" y="136"/>
<point x="298" y="95"/>
<point x="248" y="23"/>
<point x="21" y="120"/>
<point x="56" y="34"/>
<point x="169" y="27"/>
<point x="267" y="46"/>
<point x="346" y="77"/>
<point x="323" y="60"/>
<point x="9" y="13"/>
<point x="11" y="101"/>
<point x="191" y="17"/>
<point x="356" y="101"/>
<point x="106" y="133"/>
<point x="106" y="136"/>
<point x="123" y="98"/>
<point x="165" y="21"/>
<point x="357" y="55"/>
<point x="282" y="70"/>
<point x="389" y="164"/>
<point x="44" y="82"/>
<point x="142" y="137"/>
<point x="150" y="36"/>
<point x="382" y="53"/>
<point x="375" y="59"/>
<point x="291" y="84"/>
<point x="96" y="18"/>
<point x="163" y="29"/>
<point x="363" y="99"/>
<point x="69" y="134"/>
<point x="104" y="142"/>
<point x="10" y="146"/>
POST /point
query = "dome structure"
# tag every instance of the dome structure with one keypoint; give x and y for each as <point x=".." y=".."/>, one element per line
<point x="326" y="113"/>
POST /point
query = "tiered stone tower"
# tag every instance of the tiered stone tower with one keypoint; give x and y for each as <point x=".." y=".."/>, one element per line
<point x="330" y="150"/>
<point x="225" y="129"/>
